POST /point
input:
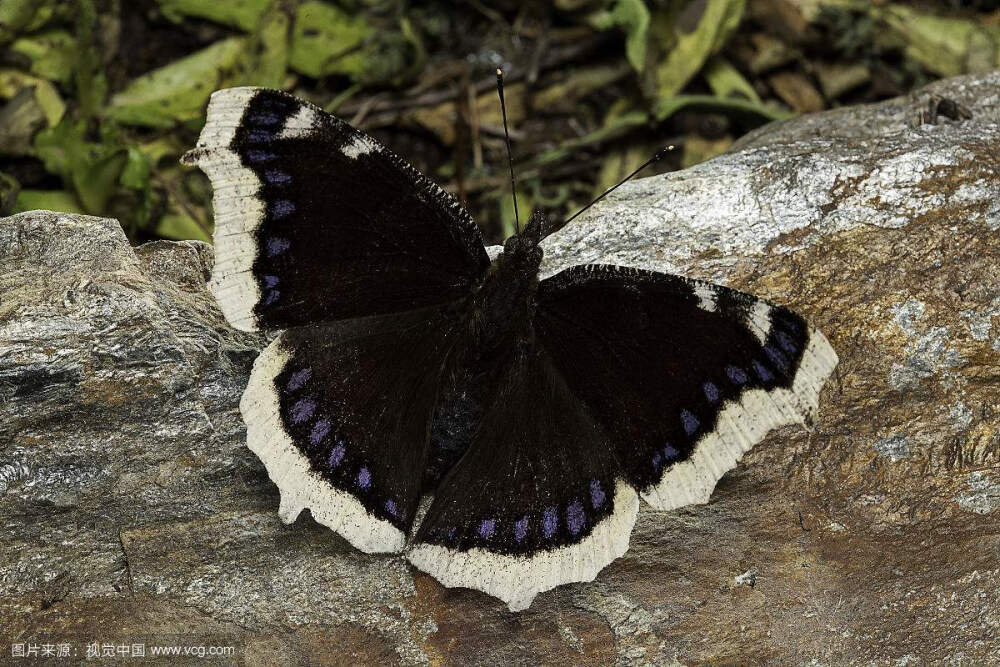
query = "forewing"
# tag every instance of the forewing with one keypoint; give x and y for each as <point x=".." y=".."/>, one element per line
<point x="316" y="221"/>
<point x="536" y="501"/>
<point x="339" y="414"/>
<point x="683" y="375"/>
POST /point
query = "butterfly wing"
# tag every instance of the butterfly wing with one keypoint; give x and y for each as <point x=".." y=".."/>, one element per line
<point x="683" y="375"/>
<point x="323" y="232"/>
<point x="537" y="500"/>
<point x="339" y="414"/>
<point x="315" y="221"/>
<point x="638" y="381"/>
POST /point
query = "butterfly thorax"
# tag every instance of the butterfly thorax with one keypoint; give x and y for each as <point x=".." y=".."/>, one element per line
<point x="504" y="306"/>
<point x="499" y="317"/>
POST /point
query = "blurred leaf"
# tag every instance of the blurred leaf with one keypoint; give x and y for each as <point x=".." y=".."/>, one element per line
<point x="410" y="50"/>
<point x="698" y="149"/>
<point x="135" y="176"/>
<point x="92" y="168"/>
<point x="797" y="91"/>
<point x="267" y="61"/>
<point x="52" y="54"/>
<point x="168" y="145"/>
<point x="18" y="16"/>
<point x="726" y="81"/>
<point x="47" y="200"/>
<point x="617" y="166"/>
<point x="442" y="119"/>
<point x="573" y="5"/>
<point x="770" y="53"/>
<point x="755" y="111"/>
<point x="12" y="81"/>
<point x="179" y="91"/>
<point x="242" y="14"/>
<point x="632" y="17"/>
<point x="945" y="46"/>
<point x="327" y="40"/>
<point x="836" y="78"/>
<point x="180" y="227"/>
<point x="613" y="128"/>
<point x="135" y="173"/>
<point x="91" y="81"/>
<point x="690" y="39"/>
<point x="9" y="189"/>
<point x="20" y="119"/>
<point x="565" y="95"/>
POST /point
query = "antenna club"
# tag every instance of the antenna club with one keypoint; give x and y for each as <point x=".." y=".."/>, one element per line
<point x="662" y="153"/>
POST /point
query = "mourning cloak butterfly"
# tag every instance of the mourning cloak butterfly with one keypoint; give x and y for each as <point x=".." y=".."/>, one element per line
<point x="535" y="412"/>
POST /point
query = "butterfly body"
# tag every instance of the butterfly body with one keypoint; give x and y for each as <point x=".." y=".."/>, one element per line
<point x="534" y="413"/>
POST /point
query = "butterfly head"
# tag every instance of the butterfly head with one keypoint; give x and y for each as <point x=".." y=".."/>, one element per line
<point x="522" y="250"/>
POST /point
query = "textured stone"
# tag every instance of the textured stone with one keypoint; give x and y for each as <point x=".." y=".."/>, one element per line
<point x="133" y="512"/>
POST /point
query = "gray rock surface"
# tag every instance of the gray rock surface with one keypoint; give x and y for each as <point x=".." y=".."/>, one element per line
<point x="132" y="511"/>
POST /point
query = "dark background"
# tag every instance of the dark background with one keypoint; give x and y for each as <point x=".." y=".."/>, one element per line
<point x="100" y="97"/>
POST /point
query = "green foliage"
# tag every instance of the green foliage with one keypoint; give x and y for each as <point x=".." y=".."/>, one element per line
<point x="242" y="14"/>
<point x="92" y="168"/>
<point x="49" y="200"/>
<point x="632" y="17"/>
<point x="689" y="39"/>
<point x="327" y="40"/>
<point x="945" y="46"/>
<point x="52" y="54"/>
<point x="177" y="92"/>
<point x="84" y="98"/>
<point x="45" y="94"/>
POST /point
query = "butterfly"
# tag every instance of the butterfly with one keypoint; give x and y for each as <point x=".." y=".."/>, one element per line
<point x="533" y="414"/>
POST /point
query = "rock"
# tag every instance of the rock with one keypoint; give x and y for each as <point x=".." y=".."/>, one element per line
<point x="133" y="512"/>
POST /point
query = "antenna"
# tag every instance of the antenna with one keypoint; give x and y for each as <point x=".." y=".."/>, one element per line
<point x="659" y="155"/>
<point x="510" y="159"/>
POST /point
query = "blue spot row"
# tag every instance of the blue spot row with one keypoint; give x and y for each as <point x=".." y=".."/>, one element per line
<point x="280" y="208"/>
<point x="319" y="431"/>
<point x="689" y="421"/>
<point x="298" y="379"/>
<point x="263" y="118"/>
<point x="787" y="343"/>
<point x="711" y="392"/>
<point x="596" y="494"/>
<point x="521" y="529"/>
<point x="762" y="372"/>
<point x="260" y="136"/>
<point x="776" y="356"/>
<point x="737" y="375"/>
<point x="257" y="156"/>
<point x="277" y="177"/>
<point x="576" y="518"/>
<point x="277" y="245"/>
<point x="550" y="521"/>
<point x="668" y="454"/>
<point x="302" y="410"/>
<point x="336" y="455"/>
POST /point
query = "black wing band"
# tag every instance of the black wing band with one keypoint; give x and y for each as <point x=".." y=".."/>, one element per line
<point x="339" y="414"/>
<point x="683" y="375"/>
<point x="315" y="221"/>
